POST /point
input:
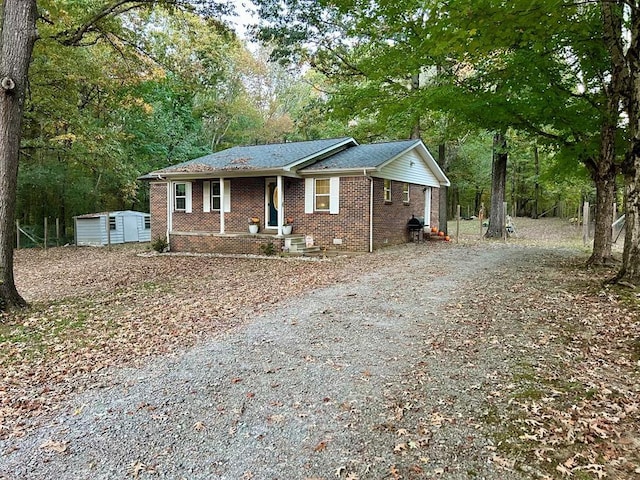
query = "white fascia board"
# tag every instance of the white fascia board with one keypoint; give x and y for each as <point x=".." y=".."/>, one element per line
<point x="320" y="155"/>
<point x="343" y="172"/>
<point x="177" y="176"/>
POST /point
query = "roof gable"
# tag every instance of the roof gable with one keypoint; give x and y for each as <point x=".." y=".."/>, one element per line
<point x="372" y="155"/>
<point x="407" y="161"/>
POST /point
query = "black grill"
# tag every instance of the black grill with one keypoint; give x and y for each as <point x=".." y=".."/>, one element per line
<point x="415" y="226"/>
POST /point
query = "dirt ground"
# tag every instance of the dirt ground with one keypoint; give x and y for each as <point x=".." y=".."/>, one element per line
<point x="540" y="362"/>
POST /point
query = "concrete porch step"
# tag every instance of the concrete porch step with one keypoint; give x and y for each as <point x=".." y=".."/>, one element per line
<point x="297" y="245"/>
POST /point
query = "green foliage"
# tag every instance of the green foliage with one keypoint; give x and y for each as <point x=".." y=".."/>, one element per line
<point x="160" y="244"/>
<point x="268" y="249"/>
<point x="142" y="90"/>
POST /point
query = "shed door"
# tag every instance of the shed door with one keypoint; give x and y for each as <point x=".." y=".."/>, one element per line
<point x="130" y="229"/>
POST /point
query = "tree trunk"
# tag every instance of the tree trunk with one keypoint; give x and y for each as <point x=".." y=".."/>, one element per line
<point x="498" y="186"/>
<point x="604" y="170"/>
<point x="630" y="270"/>
<point x="16" y="45"/>
<point x="603" y="236"/>
<point x="536" y="192"/>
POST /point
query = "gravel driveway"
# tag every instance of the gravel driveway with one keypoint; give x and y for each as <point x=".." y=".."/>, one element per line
<point x="367" y="379"/>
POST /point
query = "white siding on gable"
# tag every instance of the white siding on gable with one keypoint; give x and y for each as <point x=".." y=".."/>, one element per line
<point x="409" y="168"/>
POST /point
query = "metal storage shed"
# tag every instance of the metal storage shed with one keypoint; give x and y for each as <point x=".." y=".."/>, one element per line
<point x="109" y="228"/>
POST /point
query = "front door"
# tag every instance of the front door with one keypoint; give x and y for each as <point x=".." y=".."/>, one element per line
<point x="272" y="203"/>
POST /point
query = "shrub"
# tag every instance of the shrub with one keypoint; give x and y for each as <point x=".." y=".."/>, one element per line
<point x="268" y="248"/>
<point x="160" y="245"/>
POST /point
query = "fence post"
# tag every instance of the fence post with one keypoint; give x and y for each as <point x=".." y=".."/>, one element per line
<point x="108" y="229"/>
<point x="504" y="221"/>
<point x="458" y="224"/>
<point x="585" y="223"/>
<point x="46" y="227"/>
<point x="17" y="234"/>
<point x="57" y="232"/>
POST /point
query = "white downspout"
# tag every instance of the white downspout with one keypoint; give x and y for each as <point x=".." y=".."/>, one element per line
<point x="169" y="216"/>
<point x="280" y="188"/>
<point x="364" y="170"/>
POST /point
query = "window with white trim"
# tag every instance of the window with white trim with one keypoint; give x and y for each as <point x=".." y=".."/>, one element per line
<point x="147" y="223"/>
<point x="322" y="193"/>
<point x="405" y="192"/>
<point x="387" y="190"/>
<point x="215" y="195"/>
<point x="180" y="197"/>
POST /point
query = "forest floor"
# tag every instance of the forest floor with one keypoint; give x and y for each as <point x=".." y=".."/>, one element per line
<point x="469" y="359"/>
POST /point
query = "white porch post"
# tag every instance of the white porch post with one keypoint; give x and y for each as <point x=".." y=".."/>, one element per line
<point x="169" y="207"/>
<point x="222" y="196"/>
<point x="280" y="205"/>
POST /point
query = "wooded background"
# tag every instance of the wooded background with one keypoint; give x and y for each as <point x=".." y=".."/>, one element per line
<point x="157" y="86"/>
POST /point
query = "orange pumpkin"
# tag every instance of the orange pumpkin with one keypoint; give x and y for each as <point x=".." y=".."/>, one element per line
<point x="447" y="238"/>
<point x="441" y="233"/>
<point x="434" y="229"/>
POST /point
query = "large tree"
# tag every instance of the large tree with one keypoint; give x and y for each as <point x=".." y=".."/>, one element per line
<point x="18" y="36"/>
<point x="79" y="23"/>
<point x="630" y="64"/>
<point x="540" y="67"/>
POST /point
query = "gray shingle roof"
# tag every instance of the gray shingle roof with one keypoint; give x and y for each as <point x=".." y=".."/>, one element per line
<point x="363" y="156"/>
<point x="257" y="157"/>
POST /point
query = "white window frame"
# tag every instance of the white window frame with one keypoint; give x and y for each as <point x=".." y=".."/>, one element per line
<point x="186" y="196"/>
<point x="316" y="195"/>
<point x="217" y="196"/>
<point x="387" y="190"/>
<point x="310" y="195"/>
<point x="208" y="196"/>
<point x="406" y="189"/>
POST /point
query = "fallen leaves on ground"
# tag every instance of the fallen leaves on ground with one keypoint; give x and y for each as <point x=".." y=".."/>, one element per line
<point x="92" y="309"/>
<point x="572" y="407"/>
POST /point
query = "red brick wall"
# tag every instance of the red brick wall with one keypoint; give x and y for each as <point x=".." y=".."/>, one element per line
<point x="435" y="207"/>
<point x="350" y="225"/>
<point x="158" y="209"/>
<point x="390" y="218"/>
<point x="207" y="243"/>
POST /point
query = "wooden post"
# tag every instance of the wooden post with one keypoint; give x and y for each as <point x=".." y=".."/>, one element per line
<point x="458" y="224"/>
<point x="17" y="234"/>
<point x="57" y="232"/>
<point x="585" y="223"/>
<point x="108" y="229"/>
<point x="481" y="217"/>
<point x="46" y="227"/>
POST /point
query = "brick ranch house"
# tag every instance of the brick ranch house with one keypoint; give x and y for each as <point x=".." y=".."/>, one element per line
<point x="340" y="196"/>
